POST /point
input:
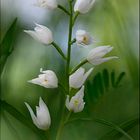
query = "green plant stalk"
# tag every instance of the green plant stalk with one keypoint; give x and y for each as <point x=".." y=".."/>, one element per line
<point x="63" y="9"/>
<point x="75" y="17"/>
<point x="69" y="45"/>
<point x="61" y="126"/>
<point x="59" y="50"/>
<point x="78" y="66"/>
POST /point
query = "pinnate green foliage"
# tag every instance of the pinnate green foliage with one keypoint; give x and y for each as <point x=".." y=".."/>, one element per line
<point x="102" y="82"/>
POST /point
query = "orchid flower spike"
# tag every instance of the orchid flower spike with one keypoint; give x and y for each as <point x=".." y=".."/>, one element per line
<point x="42" y="119"/>
<point x="96" y="55"/>
<point x="48" y="79"/>
<point x="78" y="78"/>
<point x="41" y="34"/>
<point x="50" y="4"/>
<point x="83" y="38"/>
<point x="76" y="104"/>
<point x="83" y="6"/>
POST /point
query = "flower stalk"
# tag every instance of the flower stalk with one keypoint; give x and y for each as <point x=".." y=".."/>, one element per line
<point x="63" y="9"/>
<point x="69" y="44"/>
<point x="75" y="17"/>
<point x="59" y="50"/>
<point x="78" y="66"/>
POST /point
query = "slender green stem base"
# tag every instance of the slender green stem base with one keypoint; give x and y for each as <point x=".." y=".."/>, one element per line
<point x="78" y="66"/>
<point x="59" y="50"/>
<point x="75" y="17"/>
<point x="63" y="9"/>
<point x="61" y="126"/>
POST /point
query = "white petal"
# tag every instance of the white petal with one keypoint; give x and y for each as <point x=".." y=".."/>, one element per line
<point x="83" y="38"/>
<point x="34" y="118"/>
<point x="32" y="34"/>
<point x="48" y="79"/>
<point x="41" y="34"/>
<point x="76" y="79"/>
<point x="50" y="4"/>
<point x="102" y="60"/>
<point x="43" y="115"/>
<point x="76" y="103"/>
<point x="83" y="6"/>
<point x="67" y="103"/>
<point x="99" y="52"/>
<point x="51" y="78"/>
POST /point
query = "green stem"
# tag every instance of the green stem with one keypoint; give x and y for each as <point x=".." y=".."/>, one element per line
<point x="73" y="41"/>
<point x="63" y="9"/>
<point x="58" y="135"/>
<point x="78" y="66"/>
<point x="59" y="50"/>
<point x="67" y="118"/>
<point x="61" y="126"/>
<point x="75" y="17"/>
<point x="69" y="45"/>
<point x="63" y="88"/>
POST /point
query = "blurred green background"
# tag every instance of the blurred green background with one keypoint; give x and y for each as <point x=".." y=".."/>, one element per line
<point x="113" y="22"/>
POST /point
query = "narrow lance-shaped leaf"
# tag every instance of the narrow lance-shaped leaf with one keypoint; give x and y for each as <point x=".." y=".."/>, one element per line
<point x="119" y="79"/>
<point x="126" y="126"/>
<point x="106" y="79"/>
<point x="7" y="42"/>
<point x="100" y="84"/>
<point x="6" y="46"/>
<point x="113" y="78"/>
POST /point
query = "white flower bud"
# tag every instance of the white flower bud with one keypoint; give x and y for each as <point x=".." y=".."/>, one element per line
<point x="41" y="34"/>
<point x="42" y="119"/>
<point x="96" y="55"/>
<point x="83" y="6"/>
<point x="76" y="104"/>
<point x="50" y="4"/>
<point x="78" y="78"/>
<point x="48" y="79"/>
<point x="83" y="38"/>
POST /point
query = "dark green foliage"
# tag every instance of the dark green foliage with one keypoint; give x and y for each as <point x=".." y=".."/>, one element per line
<point x="102" y="82"/>
<point x="126" y="126"/>
<point x="6" y="45"/>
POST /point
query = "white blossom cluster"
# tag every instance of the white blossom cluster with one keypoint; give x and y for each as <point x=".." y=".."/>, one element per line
<point x="48" y="78"/>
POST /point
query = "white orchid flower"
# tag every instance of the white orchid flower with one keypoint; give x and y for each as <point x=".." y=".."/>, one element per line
<point x="41" y="34"/>
<point x="50" y="4"/>
<point x="48" y="79"/>
<point x="78" y="78"/>
<point x="83" y="6"/>
<point x="76" y="103"/>
<point x="42" y="118"/>
<point x="96" y="55"/>
<point x="83" y="38"/>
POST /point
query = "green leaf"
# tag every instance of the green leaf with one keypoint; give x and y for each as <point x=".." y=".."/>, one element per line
<point x="101" y="84"/>
<point x="113" y="78"/>
<point x="6" y="46"/>
<point x="115" y="135"/>
<point x="7" y="42"/>
<point x="119" y="79"/>
<point x="106" y="79"/>
<point x="115" y="127"/>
